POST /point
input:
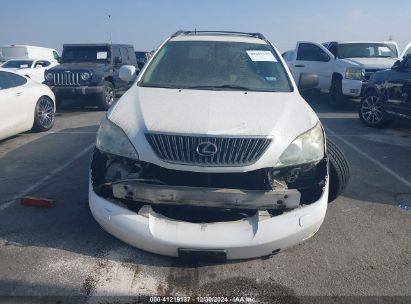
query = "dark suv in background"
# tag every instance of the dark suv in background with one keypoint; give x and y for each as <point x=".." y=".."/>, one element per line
<point x="141" y="58"/>
<point x="91" y="72"/>
<point x="388" y="95"/>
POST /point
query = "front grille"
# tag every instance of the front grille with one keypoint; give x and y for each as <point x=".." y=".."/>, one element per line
<point x="231" y="151"/>
<point x="368" y="73"/>
<point x="66" y="79"/>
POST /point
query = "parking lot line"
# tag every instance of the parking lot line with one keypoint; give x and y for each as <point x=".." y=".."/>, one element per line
<point x="47" y="177"/>
<point x="371" y="159"/>
<point x="73" y="132"/>
<point x="348" y="135"/>
<point x="61" y="132"/>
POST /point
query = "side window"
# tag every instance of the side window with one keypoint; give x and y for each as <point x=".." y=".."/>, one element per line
<point x="116" y="53"/>
<point x="124" y="55"/>
<point x="17" y="80"/>
<point x="333" y="49"/>
<point x="5" y="81"/>
<point x="42" y="63"/>
<point x="311" y="52"/>
<point x="56" y="55"/>
<point x="131" y="53"/>
<point x="10" y="80"/>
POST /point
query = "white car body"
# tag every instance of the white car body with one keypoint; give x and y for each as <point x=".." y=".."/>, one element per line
<point x="8" y="52"/>
<point x="17" y="106"/>
<point x="35" y="70"/>
<point x="279" y="116"/>
<point x="327" y="70"/>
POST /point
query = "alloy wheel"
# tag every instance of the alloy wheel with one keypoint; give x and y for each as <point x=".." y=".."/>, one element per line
<point x="109" y="95"/>
<point x="45" y="112"/>
<point x="372" y="109"/>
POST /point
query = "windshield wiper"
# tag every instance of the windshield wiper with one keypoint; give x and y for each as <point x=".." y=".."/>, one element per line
<point x="203" y="87"/>
<point x="165" y="86"/>
<point x="228" y="86"/>
<point x="224" y="86"/>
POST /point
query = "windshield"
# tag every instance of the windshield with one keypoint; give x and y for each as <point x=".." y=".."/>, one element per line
<point x="217" y="65"/>
<point x="86" y="54"/>
<point x="19" y="64"/>
<point x="351" y="50"/>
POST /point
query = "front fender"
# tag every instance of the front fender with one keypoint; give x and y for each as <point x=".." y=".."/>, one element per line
<point x="378" y="88"/>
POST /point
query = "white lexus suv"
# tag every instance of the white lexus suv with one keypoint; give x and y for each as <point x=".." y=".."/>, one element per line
<point x="212" y="153"/>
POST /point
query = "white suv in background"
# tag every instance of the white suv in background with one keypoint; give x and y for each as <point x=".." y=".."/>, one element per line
<point x="33" y="69"/>
<point x="213" y="153"/>
<point x="344" y="68"/>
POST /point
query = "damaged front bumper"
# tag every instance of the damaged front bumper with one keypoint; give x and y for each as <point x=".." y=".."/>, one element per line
<point x="205" y="197"/>
<point x="171" y="219"/>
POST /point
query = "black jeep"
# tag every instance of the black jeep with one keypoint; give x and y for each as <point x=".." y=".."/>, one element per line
<point x="90" y="71"/>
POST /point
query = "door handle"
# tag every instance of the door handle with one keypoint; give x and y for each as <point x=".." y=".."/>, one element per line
<point x="18" y="94"/>
<point x="299" y="66"/>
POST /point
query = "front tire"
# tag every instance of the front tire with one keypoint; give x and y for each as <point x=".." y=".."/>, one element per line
<point x="336" y="96"/>
<point x="339" y="171"/>
<point x="107" y="97"/>
<point x="44" y="114"/>
<point x="372" y="112"/>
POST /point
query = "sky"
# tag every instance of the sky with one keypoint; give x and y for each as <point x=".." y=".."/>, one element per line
<point x="146" y="23"/>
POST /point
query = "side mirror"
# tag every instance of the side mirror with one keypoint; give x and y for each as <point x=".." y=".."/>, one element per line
<point x="127" y="73"/>
<point x="118" y="60"/>
<point x="324" y="57"/>
<point x="38" y="66"/>
<point x="308" y="81"/>
<point x="397" y="65"/>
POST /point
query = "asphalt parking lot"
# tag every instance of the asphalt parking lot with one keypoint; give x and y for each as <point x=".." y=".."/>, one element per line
<point x="362" y="249"/>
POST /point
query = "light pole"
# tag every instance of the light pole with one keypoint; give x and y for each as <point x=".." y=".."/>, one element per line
<point x="109" y="25"/>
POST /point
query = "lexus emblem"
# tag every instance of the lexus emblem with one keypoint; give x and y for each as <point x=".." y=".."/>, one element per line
<point x="206" y="149"/>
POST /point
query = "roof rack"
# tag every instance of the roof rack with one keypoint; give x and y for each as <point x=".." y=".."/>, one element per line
<point x="178" y="33"/>
<point x="256" y="35"/>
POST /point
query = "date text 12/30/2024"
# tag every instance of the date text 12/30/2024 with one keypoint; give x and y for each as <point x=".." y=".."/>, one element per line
<point x="203" y="299"/>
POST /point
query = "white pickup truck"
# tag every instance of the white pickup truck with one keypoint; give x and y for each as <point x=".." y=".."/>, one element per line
<point x="344" y="68"/>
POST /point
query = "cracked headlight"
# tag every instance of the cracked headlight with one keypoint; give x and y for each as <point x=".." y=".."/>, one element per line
<point x="354" y="73"/>
<point x="306" y="148"/>
<point x="112" y="139"/>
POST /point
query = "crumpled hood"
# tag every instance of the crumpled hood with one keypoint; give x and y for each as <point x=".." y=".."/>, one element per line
<point x="371" y="63"/>
<point x="281" y="116"/>
<point x="207" y="112"/>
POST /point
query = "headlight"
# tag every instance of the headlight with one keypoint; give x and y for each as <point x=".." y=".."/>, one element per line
<point x="49" y="76"/>
<point x="354" y="73"/>
<point x="306" y="148"/>
<point x="85" y="76"/>
<point x="112" y="139"/>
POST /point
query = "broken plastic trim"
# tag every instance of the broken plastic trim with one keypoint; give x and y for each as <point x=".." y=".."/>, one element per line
<point x="107" y="170"/>
<point x="136" y="190"/>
